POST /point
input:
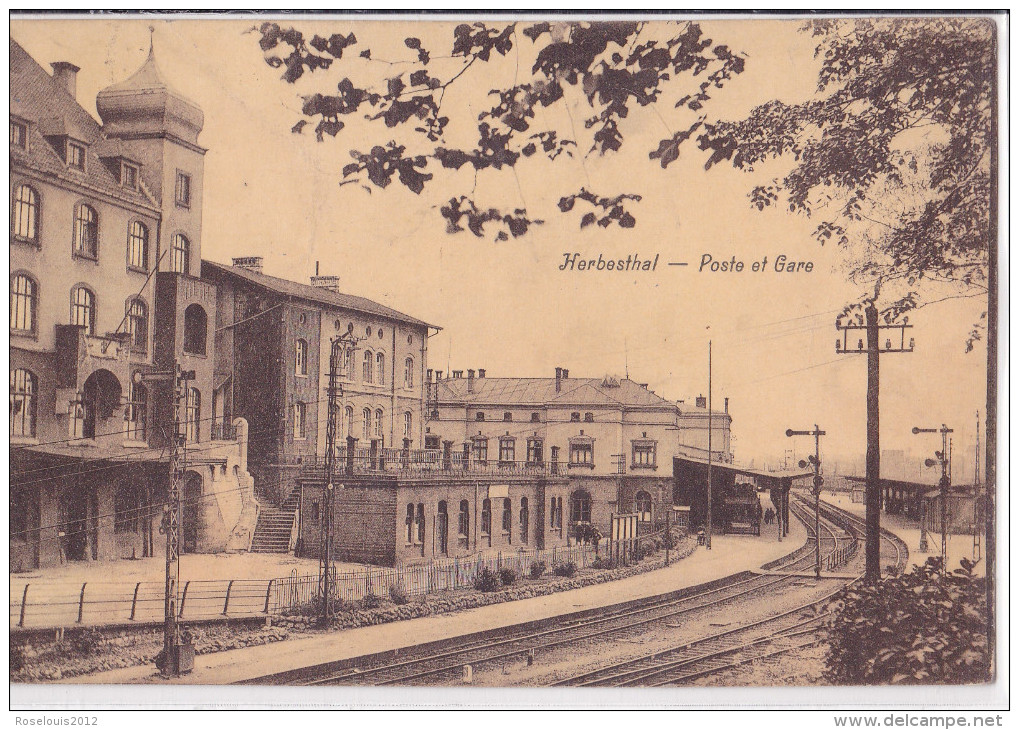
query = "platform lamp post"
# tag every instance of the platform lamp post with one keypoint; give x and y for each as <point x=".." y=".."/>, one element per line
<point x="941" y="457"/>
<point x="815" y="461"/>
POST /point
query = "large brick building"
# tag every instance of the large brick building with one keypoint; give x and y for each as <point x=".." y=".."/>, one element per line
<point x="105" y="250"/>
<point x="614" y="438"/>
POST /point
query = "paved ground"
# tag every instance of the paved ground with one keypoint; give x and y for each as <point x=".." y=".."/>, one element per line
<point x="959" y="546"/>
<point x="729" y="554"/>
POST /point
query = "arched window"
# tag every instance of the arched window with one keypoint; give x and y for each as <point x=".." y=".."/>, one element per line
<point x="301" y="357"/>
<point x="300" y="420"/>
<point x="507" y="515"/>
<point x="408" y="425"/>
<point x="380" y="369"/>
<point x="24" y="303"/>
<point x="138" y="324"/>
<point x="83" y="309"/>
<point x="86" y="232"/>
<point x="642" y="506"/>
<point x="196" y="330"/>
<point x="580" y="507"/>
<point x="25" y="214"/>
<point x="192" y="415"/>
<point x="525" y="519"/>
<point x="366" y="370"/>
<point x="348" y="413"/>
<point x="180" y="254"/>
<point x="136" y="412"/>
<point x="486" y="517"/>
<point x="463" y="523"/>
<point x="348" y="355"/>
<point x="379" y="423"/>
<point x="24" y="389"/>
<point x="366" y="432"/>
<point x="410" y="523"/>
<point x="421" y="524"/>
<point x="408" y="372"/>
<point x="442" y="526"/>
<point x="138" y="246"/>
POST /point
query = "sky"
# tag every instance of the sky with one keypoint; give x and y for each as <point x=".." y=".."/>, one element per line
<point x="506" y="306"/>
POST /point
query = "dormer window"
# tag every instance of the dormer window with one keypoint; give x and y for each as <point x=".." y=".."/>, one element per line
<point x="75" y="155"/>
<point x="19" y="135"/>
<point x="128" y="176"/>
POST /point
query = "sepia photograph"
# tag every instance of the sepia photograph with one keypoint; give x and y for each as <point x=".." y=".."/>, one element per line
<point x="656" y="354"/>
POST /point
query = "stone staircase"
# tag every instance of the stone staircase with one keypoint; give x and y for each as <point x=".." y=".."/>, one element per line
<point x="275" y="526"/>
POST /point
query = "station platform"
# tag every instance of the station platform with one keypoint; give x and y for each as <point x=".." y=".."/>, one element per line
<point x="729" y="554"/>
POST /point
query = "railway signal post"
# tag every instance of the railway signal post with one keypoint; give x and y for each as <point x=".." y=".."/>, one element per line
<point x="815" y="460"/>
<point x="944" y="483"/>
<point x="874" y="351"/>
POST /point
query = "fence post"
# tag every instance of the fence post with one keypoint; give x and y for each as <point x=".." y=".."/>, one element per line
<point x="268" y="591"/>
<point x="24" y="597"/>
<point x="81" y="602"/>
<point x="134" y="601"/>
<point x="183" y="597"/>
<point x="226" y="603"/>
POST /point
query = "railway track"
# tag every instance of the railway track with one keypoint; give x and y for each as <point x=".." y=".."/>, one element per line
<point x="757" y="640"/>
<point x="434" y="663"/>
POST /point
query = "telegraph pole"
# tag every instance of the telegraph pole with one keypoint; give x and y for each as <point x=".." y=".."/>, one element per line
<point x="815" y="460"/>
<point x="945" y="483"/>
<point x="707" y="541"/>
<point x="332" y="393"/>
<point x="873" y="488"/>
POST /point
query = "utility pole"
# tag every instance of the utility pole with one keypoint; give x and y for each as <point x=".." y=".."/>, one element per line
<point x="815" y="460"/>
<point x="707" y="541"/>
<point x="946" y="481"/>
<point x="873" y="484"/>
<point x="332" y="406"/>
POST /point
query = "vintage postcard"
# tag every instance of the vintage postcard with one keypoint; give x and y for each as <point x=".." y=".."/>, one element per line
<point x="507" y="351"/>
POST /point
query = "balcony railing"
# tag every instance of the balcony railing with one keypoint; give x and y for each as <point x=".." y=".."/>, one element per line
<point x="222" y="431"/>
<point x="430" y="462"/>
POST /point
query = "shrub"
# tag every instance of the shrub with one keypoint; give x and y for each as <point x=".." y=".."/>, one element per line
<point x="565" y="570"/>
<point x="17" y="658"/>
<point x="537" y="569"/>
<point x="370" y="600"/>
<point x="645" y="550"/>
<point x="486" y="580"/>
<point x="602" y="563"/>
<point x="507" y="576"/>
<point x="85" y="643"/>
<point x="398" y="594"/>
<point x="922" y="627"/>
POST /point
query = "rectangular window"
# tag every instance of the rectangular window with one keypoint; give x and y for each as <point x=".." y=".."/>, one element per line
<point x="582" y="453"/>
<point x="75" y="156"/>
<point x="507" y="450"/>
<point x="300" y="411"/>
<point x="643" y="454"/>
<point x="481" y="450"/>
<point x="129" y="176"/>
<point x="535" y="451"/>
<point x="182" y="192"/>
<point x="19" y="135"/>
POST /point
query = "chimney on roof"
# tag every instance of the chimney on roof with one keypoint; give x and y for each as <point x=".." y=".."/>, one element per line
<point x="470" y="381"/>
<point x="249" y="263"/>
<point x="726" y="405"/>
<point x="428" y="375"/>
<point x="458" y="374"/>
<point x="643" y="385"/>
<point x="566" y="373"/>
<point x="66" y="74"/>
<point x="701" y="402"/>
<point x="558" y="379"/>
<point x="481" y="372"/>
<point x="329" y="283"/>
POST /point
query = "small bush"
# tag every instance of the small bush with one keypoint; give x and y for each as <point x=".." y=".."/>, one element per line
<point x="17" y="658"/>
<point x="565" y="570"/>
<point x="398" y="594"/>
<point x="507" y="576"/>
<point x="645" y="550"/>
<point x="602" y="563"/>
<point x="370" y="600"/>
<point x="537" y="569"/>
<point x="85" y="643"/>
<point x="486" y="580"/>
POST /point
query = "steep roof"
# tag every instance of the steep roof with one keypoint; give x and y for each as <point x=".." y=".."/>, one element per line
<point x="310" y="293"/>
<point x="50" y="110"/>
<point x="542" y="391"/>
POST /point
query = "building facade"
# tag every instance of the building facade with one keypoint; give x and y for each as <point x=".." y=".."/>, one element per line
<point x="106" y="291"/>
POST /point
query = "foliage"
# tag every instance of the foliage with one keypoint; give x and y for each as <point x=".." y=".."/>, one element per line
<point x="398" y="594"/>
<point x="370" y="600"/>
<point x="537" y="569"/>
<point x="607" y="69"/>
<point x="892" y="155"/>
<point x="87" y="642"/>
<point x="487" y="580"/>
<point x="587" y="533"/>
<point x="923" y="627"/>
<point x="507" y="576"/>
<point x="564" y="570"/>
<point x="645" y="549"/>
<point x="17" y="662"/>
<point x="603" y="563"/>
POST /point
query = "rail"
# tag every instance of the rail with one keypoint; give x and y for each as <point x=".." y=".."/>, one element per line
<point x="426" y="462"/>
